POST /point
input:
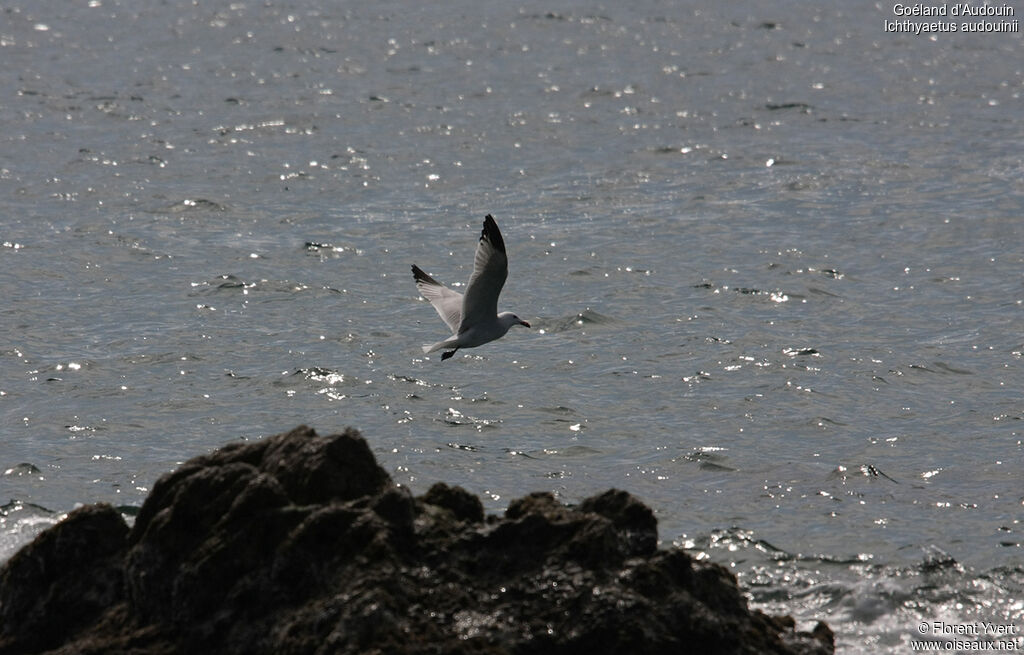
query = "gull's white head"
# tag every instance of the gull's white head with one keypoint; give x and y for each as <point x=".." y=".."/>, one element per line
<point x="508" y="319"/>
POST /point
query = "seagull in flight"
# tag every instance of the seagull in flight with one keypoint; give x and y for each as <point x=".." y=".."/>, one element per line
<point x="473" y="319"/>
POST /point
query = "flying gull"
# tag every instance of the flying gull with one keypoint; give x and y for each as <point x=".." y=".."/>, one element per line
<point x="473" y="319"/>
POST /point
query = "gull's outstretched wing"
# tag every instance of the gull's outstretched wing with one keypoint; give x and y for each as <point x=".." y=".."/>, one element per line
<point x="490" y="268"/>
<point x="448" y="303"/>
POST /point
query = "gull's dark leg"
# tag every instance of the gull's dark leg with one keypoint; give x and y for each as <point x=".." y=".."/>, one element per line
<point x="446" y="355"/>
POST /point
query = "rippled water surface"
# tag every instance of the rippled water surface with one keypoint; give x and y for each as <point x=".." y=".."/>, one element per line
<point x="771" y="254"/>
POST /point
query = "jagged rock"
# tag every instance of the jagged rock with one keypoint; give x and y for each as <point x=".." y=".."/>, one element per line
<point x="64" y="580"/>
<point x="303" y="544"/>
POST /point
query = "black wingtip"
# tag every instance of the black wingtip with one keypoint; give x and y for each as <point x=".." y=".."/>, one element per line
<point x="421" y="276"/>
<point x="492" y="233"/>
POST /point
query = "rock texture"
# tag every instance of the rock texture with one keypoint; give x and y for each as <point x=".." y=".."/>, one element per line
<point x="302" y="544"/>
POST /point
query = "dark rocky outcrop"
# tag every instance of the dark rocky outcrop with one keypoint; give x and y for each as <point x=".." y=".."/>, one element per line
<point x="302" y="544"/>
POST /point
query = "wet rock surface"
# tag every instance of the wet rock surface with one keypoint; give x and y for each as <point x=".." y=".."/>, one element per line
<point x="302" y="544"/>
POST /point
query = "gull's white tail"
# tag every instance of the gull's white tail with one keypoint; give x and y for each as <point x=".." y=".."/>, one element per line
<point x="447" y="343"/>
